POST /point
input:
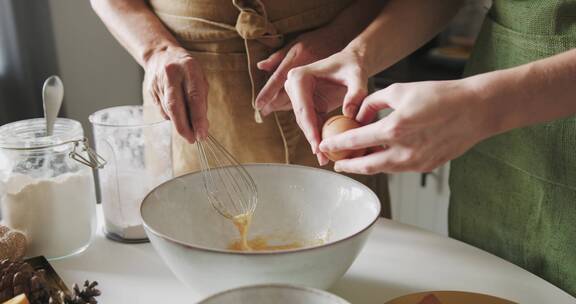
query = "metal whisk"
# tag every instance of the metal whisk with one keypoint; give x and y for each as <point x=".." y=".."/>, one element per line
<point x="230" y="188"/>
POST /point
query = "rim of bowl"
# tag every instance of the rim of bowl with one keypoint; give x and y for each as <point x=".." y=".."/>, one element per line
<point x="264" y="252"/>
<point x="276" y="286"/>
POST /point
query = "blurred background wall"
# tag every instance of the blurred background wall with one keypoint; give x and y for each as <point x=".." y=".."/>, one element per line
<point x="96" y="70"/>
<point x="24" y="62"/>
<point x="63" y="37"/>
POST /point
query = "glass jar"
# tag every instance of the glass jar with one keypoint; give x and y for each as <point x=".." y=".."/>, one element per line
<point x="47" y="186"/>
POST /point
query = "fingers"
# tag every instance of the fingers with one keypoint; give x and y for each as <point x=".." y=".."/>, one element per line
<point x="357" y="91"/>
<point x="175" y="107"/>
<point x="196" y="89"/>
<point x="280" y="103"/>
<point x="322" y="159"/>
<point x="392" y="160"/>
<point x="370" y="164"/>
<point x="371" y="106"/>
<point x="154" y="92"/>
<point x="272" y="61"/>
<point x="300" y="88"/>
<point x="276" y="82"/>
<point x="363" y="137"/>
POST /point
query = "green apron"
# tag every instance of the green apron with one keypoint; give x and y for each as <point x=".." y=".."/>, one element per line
<point x="514" y="195"/>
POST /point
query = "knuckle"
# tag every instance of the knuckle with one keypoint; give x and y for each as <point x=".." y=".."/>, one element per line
<point x="190" y="61"/>
<point x="395" y="88"/>
<point x="192" y="93"/>
<point x="406" y="157"/>
<point x="171" y="68"/>
<point x="412" y="157"/>
<point x="372" y="107"/>
<point x="296" y="73"/>
<point x="301" y="49"/>
<point x="171" y="105"/>
<point x="361" y="92"/>
<point x="395" y="132"/>
<point x="299" y="111"/>
<point x="298" y="46"/>
<point x="369" y="169"/>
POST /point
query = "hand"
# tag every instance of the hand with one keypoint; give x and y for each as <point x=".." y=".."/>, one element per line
<point x="433" y="122"/>
<point x="305" y="49"/>
<point x="305" y="83"/>
<point x="179" y="89"/>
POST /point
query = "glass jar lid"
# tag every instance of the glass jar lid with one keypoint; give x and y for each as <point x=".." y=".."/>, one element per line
<point x="31" y="134"/>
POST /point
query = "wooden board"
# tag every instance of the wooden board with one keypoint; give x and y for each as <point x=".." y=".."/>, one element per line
<point x="53" y="279"/>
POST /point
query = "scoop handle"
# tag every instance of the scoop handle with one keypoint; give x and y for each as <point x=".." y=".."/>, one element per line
<point x="52" y="95"/>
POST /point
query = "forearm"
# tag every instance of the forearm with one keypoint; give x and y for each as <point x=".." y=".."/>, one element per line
<point x="401" y="27"/>
<point x="135" y="26"/>
<point x="354" y="19"/>
<point x="533" y="93"/>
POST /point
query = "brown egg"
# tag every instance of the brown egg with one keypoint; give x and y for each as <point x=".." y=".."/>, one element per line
<point x="336" y="125"/>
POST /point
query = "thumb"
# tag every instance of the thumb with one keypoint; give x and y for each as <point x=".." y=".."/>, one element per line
<point x="271" y="63"/>
<point x="371" y="106"/>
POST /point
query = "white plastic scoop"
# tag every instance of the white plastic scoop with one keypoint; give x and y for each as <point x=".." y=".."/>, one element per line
<point x="52" y="95"/>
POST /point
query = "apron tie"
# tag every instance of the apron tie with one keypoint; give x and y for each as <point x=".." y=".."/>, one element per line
<point x="253" y="24"/>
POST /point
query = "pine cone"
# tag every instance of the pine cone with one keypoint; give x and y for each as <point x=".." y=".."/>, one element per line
<point x="87" y="295"/>
<point x="20" y="277"/>
<point x="12" y="244"/>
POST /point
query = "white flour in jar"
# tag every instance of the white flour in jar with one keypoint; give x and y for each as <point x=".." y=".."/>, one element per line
<point x="57" y="215"/>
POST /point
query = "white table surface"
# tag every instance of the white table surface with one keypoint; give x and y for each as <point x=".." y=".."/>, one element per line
<point x="397" y="260"/>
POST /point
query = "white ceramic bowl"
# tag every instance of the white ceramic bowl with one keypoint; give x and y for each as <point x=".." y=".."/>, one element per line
<point x="295" y="204"/>
<point x="277" y="294"/>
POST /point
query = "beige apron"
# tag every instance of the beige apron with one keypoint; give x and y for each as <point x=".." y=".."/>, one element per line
<point x="228" y="37"/>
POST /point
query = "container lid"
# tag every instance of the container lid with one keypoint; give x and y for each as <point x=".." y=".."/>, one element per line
<point x="31" y="133"/>
<point x="124" y="117"/>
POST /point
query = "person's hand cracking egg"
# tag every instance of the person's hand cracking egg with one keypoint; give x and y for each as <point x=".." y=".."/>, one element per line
<point x="336" y="125"/>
